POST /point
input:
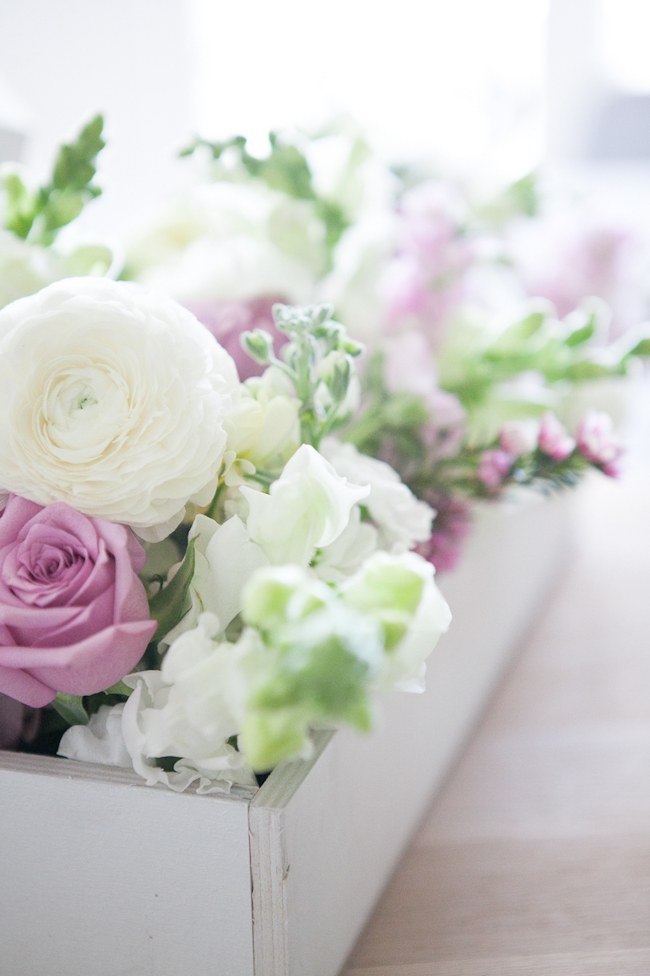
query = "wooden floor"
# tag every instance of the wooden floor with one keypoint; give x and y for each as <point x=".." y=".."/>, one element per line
<point x="535" y="857"/>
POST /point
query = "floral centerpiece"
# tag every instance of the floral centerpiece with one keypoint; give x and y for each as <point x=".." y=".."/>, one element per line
<point x="186" y="571"/>
<point x="205" y="543"/>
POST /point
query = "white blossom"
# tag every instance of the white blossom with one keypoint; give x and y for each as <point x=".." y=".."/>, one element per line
<point x="401" y="519"/>
<point x="121" y="404"/>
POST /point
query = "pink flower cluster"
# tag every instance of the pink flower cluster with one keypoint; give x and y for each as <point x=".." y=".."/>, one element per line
<point x="594" y="441"/>
<point x="424" y="282"/>
<point x="597" y="442"/>
<point x="451" y="525"/>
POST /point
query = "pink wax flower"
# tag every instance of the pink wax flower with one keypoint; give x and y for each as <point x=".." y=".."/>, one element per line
<point x="74" y="615"/>
<point x="597" y="443"/>
<point x="450" y="527"/>
<point x="227" y="320"/>
<point x="553" y="439"/>
<point x="518" y="437"/>
<point x="493" y="467"/>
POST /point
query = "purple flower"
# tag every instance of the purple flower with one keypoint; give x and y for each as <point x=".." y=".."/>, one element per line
<point x="228" y="320"/>
<point x="450" y="527"/>
<point x="553" y="439"/>
<point x="493" y="467"/>
<point x="74" y="615"/>
<point x="597" y="443"/>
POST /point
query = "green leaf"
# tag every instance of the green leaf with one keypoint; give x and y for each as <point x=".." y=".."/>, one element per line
<point x="119" y="688"/>
<point x="171" y="603"/>
<point x="641" y="349"/>
<point x="71" y="708"/>
<point x="38" y="215"/>
<point x="518" y="333"/>
<point x="20" y="203"/>
<point x="582" y="334"/>
<point x="74" y="167"/>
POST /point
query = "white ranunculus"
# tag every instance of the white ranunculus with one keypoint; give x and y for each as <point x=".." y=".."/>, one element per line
<point x="307" y="508"/>
<point x="189" y="709"/>
<point x="114" y="400"/>
<point x="401" y="519"/>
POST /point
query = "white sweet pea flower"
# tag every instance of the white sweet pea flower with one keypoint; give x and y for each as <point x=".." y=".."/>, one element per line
<point x="189" y="709"/>
<point x="121" y="406"/>
<point x="401" y="519"/>
<point x="224" y="560"/>
<point x="101" y="741"/>
<point x="306" y="509"/>
<point x="348" y="552"/>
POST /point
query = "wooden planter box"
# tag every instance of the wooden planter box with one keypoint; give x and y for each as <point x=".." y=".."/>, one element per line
<point x="104" y="876"/>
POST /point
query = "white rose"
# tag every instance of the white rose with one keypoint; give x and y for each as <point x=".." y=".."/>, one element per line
<point x="401" y="519"/>
<point x="307" y="508"/>
<point x="113" y="400"/>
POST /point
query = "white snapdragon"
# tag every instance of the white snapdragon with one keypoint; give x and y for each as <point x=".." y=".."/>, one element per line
<point x="400" y="592"/>
<point x="402" y="520"/>
<point x="121" y="406"/>
<point x="306" y="509"/>
<point x="263" y="428"/>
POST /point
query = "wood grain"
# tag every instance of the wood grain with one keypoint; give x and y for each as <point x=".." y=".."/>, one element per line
<point x="535" y="858"/>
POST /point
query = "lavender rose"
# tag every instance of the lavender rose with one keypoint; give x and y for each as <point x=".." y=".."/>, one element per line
<point x="74" y="615"/>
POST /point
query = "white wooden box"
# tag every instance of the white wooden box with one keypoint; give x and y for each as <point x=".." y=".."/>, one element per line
<point x="103" y="876"/>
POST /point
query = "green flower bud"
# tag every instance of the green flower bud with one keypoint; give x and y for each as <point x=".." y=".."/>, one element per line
<point x="258" y="344"/>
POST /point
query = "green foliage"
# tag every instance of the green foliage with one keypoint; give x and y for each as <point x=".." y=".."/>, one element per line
<point x="285" y="169"/>
<point x="71" y="708"/>
<point x="171" y="602"/>
<point x="38" y="215"/>
<point x="317" y="358"/>
<point x="387" y="417"/>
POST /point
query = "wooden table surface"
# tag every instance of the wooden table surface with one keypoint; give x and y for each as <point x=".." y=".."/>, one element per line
<point x="535" y="857"/>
